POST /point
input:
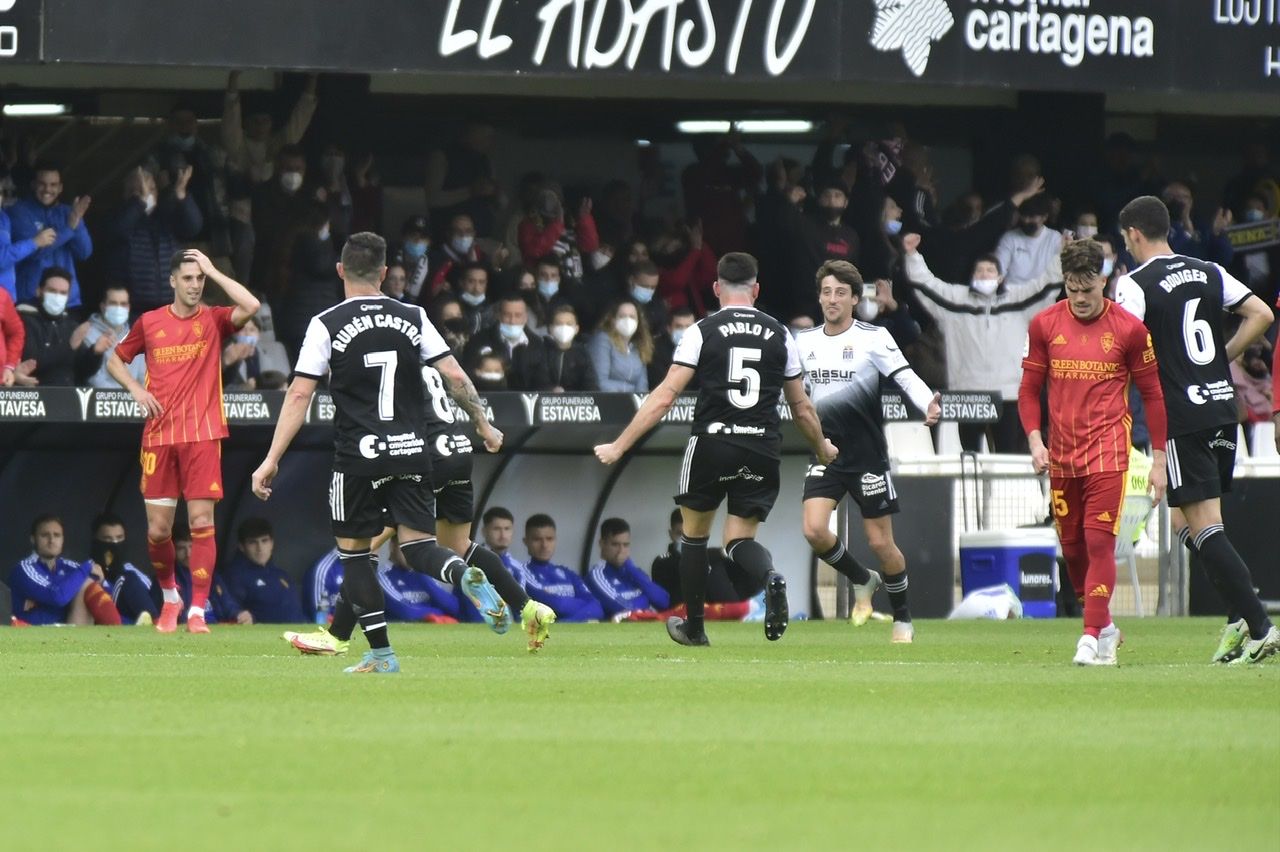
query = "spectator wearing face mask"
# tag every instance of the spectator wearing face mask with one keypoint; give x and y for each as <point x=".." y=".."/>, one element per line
<point x="523" y="352"/>
<point x="490" y="373"/>
<point x="967" y="231"/>
<point x="458" y="250"/>
<point x="1112" y="268"/>
<point x="984" y="326"/>
<point x="446" y="315"/>
<point x="1252" y="378"/>
<point x="642" y="287"/>
<point x="473" y="292"/>
<point x="811" y="240"/>
<point x="568" y="362"/>
<point x="48" y="358"/>
<point x="312" y="274"/>
<point x="664" y="347"/>
<point x="144" y="234"/>
<point x="882" y="248"/>
<point x="99" y="335"/>
<point x="621" y="350"/>
<point x="550" y="291"/>
<point x="1204" y="240"/>
<point x="1258" y="267"/>
<point x="241" y="363"/>
<point x="1025" y="253"/>
<point x="278" y="206"/>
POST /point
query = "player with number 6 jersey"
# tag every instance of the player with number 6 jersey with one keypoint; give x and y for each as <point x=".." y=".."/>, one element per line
<point x="182" y="438"/>
<point x="1182" y="301"/>
<point x="1088" y="350"/>
<point x="745" y="362"/>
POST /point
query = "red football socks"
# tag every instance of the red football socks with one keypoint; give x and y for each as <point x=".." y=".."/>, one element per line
<point x="99" y="604"/>
<point x="1101" y="580"/>
<point x="204" y="556"/>
<point x="163" y="558"/>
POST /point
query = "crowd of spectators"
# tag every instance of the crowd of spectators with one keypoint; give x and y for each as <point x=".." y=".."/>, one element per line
<point x="250" y="587"/>
<point x="544" y="287"/>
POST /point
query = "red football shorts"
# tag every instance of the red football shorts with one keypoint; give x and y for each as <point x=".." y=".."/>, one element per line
<point x="192" y="470"/>
<point x="1092" y="502"/>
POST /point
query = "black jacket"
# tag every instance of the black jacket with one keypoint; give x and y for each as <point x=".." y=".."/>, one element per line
<point x="49" y="343"/>
<point x="527" y="366"/>
<point x="571" y="368"/>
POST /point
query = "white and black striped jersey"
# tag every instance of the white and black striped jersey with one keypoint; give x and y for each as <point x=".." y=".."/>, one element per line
<point x="372" y="349"/>
<point x="842" y="373"/>
<point x="742" y="357"/>
<point x="444" y="435"/>
<point x="1181" y="300"/>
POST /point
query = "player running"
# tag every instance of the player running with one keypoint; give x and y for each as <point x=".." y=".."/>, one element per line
<point x="745" y="361"/>
<point x="452" y="487"/>
<point x="371" y="348"/>
<point x="1088" y="350"/>
<point x="843" y="361"/>
<point x="182" y="438"/>
<point x="1181" y="300"/>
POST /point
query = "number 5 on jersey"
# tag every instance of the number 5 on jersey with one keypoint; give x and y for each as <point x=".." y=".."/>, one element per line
<point x="739" y="372"/>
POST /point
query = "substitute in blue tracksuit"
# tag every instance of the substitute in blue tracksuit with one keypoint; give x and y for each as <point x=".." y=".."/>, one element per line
<point x="558" y="587"/>
<point x="130" y="588"/>
<point x="38" y="212"/>
<point x="261" y="586"/>
<point x="619" y="584"/>
<point x="411" y="596"/>
<point x="44" y="584"/>
<point x="321" y="586"/>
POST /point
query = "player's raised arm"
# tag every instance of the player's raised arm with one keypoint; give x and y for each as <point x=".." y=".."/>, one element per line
<point x="246" y="303"/>
<point x="806" y="417"/>
<point x="464" y="393"/>
<point x="651" y="411"/>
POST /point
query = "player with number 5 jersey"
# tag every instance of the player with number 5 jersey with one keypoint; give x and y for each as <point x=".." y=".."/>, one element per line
<point x="1182" y="301"/>
<point x="1088" y="350"/>
<point x="745" y="361"/>
<point x="182" y="438"/>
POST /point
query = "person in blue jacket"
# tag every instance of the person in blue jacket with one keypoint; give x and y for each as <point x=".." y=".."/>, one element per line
<point x="48" y="588"/>
<point x="39" y="212"/>
<point x="321" y="586"/>
<point x="558" y="587"/>
<point x="411" y="596"/>
<point x="12" y="252"/>
<point x="130" y="588"/>
<point x="257" y="583"/>
<point x="621" y="586"/>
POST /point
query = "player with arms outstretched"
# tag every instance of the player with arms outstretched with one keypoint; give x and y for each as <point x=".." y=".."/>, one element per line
<point x="372" y="347"/>
<point x="182" y="439"/>
<point x="745" y="361"/>
<point x="1182" y="300"/>
<point x="844" y="361"/>
<point x="1088" y="350"/>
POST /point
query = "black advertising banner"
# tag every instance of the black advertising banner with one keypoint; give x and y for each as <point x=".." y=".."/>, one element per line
<point x="38" y="404"/>
<point x="1081" y="45"/>
<point x="20" y="31"/>
<point x="1254" y="236"/>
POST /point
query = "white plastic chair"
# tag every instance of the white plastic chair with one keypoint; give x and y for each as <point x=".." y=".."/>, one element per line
<point x="1135" y="510"/>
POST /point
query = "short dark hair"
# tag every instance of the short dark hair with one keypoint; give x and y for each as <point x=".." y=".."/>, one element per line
<point x="1039" y="204"/>
<point x="547" y="260"/>
<point x="1082" y="259"/>
<point x="44" y="518"/>
<point x="47" y="166"/>
<point x="253" y="528"/>
<point x="107" y="289"/>
<point x="176" y="260"/>
<point x="565" y="308"/>
<point x="737" y="268"/>
<point x="539" y="521"/>
<point x="54" y="272"/>
<point x="105" y="519"/>
<point x="513" y="296"/>
<point x="613" y="526"/>
<point x="988" y="258"/>
<point x="645" y="267"/>
<point x="683" y="311"/>
<point x="676" y="517"/>
<point x="496" y="513"/>
<point x="843" y="271"/>
<point x="363" y="257"/>
<point x="1147" y="215"/>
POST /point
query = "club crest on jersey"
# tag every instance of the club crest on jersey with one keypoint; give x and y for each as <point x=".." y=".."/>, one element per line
<point x="848" y="353"/>
<point x="1108" y="340"/>
<point x="198" y="328"/>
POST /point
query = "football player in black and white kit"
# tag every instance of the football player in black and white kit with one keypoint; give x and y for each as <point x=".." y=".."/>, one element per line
<point x="844" y="361"/>
<point x="371" y="347"/>
<point x="745" y="361"/>
<point x="1182" y="300"/>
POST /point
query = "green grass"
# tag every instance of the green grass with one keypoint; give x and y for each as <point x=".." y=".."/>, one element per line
<point x="979" y="736"/>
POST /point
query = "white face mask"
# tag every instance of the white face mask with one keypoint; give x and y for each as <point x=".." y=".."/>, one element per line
<point x="986" y="286"/>
<point x="564" y="334"/>
<point x="489" y="377"/>
<point x="626" y="326"/>
<point x="475" y="300"/>
<point x="677" y="336"/>
<point x="149" y="201"/>
<point x="1087" y="232"/>
<point x="291" y="181"/>
<point x="54" y="303"/>
<point x="116" y="315"/>
<point x="867" y="309"/>
<point x="1108" y="265"/>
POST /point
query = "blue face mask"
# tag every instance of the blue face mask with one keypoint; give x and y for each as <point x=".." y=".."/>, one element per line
<point x="1253" y="214"/>
<point x="893" y="226"/>
<point x="414" y="251"/>
<point x="509" y="331"/>
<point x="643" y="295"/>
<point x="116" y="315"/>
<point x="251" y="339"/>
<point x="548" y="288"/>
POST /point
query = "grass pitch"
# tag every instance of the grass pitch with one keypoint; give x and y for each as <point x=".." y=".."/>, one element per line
<point x="979" y="736"/>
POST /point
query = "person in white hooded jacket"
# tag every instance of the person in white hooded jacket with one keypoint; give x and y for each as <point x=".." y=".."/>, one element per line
<point x="984" y="328"/>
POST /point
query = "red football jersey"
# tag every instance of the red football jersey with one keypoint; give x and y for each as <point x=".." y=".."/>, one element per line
<point x="1089" y="365"/>
<point x="184" y="372"/>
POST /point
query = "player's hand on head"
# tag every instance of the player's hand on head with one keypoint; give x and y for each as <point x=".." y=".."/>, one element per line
<point x="934" y="414"/>
<point x="199" y="258"/>
<point x="608" y="453"/>
<point x="910" y="243"/>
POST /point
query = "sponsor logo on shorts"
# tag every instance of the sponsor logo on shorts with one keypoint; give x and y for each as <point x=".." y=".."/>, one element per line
<point x="1221" y="442"/>
<point x="744" y="473"/>
<point x="873" y="484"/>
<point x="1106" y="516"/>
